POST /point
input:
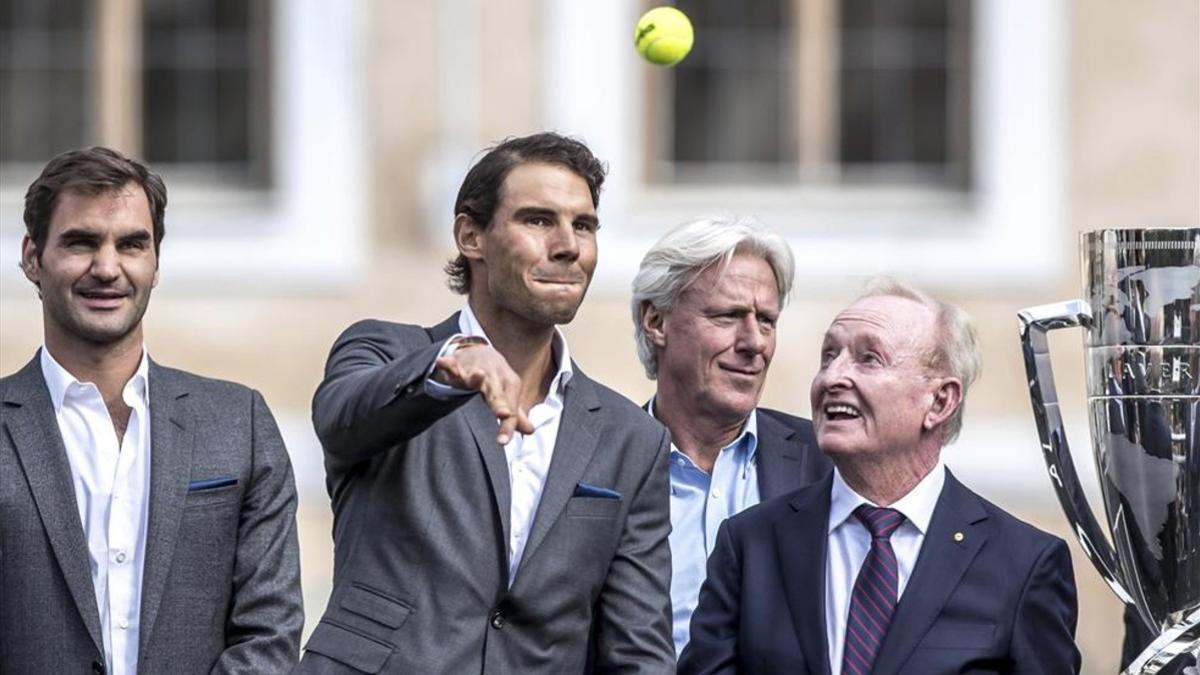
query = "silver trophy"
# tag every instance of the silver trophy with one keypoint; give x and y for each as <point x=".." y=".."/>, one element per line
<point x="1141" y="323"/>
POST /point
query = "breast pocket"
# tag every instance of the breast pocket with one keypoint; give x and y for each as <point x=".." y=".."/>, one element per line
<point x="958" y="635"/>
<point x="593" y="507"/>
<point x="227" y="494"/>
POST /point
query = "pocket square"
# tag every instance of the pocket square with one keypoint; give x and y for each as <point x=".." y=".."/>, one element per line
<point x="211" y="484"/>
<point x="585" y="490"/>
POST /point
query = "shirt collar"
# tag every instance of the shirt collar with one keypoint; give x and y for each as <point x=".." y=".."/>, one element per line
<point x="917" y="506"/>
<point x="59" y="380"/>
<point x="468" y="324"/>
<point x="749" y="434"/>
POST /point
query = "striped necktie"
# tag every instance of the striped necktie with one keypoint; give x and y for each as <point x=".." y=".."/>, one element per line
<point x="874" y="598"/>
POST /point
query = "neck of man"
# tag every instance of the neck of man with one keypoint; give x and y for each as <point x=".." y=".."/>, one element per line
<point x="699" y="434"/>
<point x="526" y="346"/>
<point x="886" y="480"/>
<point x="109" y="366"/>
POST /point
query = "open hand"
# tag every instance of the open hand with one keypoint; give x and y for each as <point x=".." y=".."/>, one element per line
<point x="479" y="367"/>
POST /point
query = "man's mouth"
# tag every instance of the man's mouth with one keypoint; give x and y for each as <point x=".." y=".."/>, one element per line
<point x="102" y="298"/>
<point x="841" y="411"/>
<point x="742" y="370"/>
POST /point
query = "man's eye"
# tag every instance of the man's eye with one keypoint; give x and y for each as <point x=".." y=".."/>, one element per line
<point x="540" y="221"/>
<point x="586" y="226"/>
<point x="871" y="358"/>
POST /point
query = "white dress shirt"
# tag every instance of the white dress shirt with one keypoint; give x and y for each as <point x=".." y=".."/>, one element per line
<point x="850" y="540"/>
<point x="112" y="488"/>
<point x="528" y="455"/>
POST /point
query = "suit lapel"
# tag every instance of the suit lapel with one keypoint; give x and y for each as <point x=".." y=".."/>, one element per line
<point x="578" y="436"/>
<point x="171" y="441"/>
<point x="939" y="567"/>
<point x="780" y="458"/>
<point x="29" y="416"/>
<point x="484" y="427"/>
<point x="801" y="542"/>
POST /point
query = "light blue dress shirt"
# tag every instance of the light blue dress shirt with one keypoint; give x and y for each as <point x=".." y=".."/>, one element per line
<point x="699" y="504"/>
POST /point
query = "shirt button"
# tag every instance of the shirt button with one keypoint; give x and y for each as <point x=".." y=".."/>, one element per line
<point x="124" y="624"/>
<point x="497" y="620"/>
<point x="716" y="494"/>
<point x="121" y="559"/>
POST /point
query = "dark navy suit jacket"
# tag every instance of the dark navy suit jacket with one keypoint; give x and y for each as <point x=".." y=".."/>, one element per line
<point x="788" y="456"/>
<point x="998" y="599"/>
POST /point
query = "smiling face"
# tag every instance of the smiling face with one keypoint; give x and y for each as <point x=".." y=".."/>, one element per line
<point x="874" y="393"/>
<point x="96" y="269"/>
<point x="534" y="262"/>
<point x="715" y="345"/>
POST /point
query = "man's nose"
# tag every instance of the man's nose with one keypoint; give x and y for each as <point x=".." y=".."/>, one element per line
<point x="105" y="263"/>
<point x="835" y="373"/>
<point x="562" y="242"/>
<point x="752" y="336"/>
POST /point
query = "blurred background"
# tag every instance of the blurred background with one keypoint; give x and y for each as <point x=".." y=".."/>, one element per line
<point x="312" y="150"/>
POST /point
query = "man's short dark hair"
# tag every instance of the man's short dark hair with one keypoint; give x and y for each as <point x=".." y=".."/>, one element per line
<point x="89" y="172"/>
<point x="480" y="191"/>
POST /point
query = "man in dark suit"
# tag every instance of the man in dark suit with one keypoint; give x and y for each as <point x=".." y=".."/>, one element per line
<point x="147" y="515"/>
<point x="889" y="565"/>
<point x="494" y="508"/>
<point x="706" y="301"/>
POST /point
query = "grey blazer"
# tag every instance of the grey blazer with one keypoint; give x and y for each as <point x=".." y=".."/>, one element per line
<point x="221" y="585"/>
<point x="421" y="495"/>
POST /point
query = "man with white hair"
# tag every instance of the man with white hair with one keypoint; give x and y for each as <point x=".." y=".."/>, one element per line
<point x="890" y="565"/>
<point x="706" y="301"/>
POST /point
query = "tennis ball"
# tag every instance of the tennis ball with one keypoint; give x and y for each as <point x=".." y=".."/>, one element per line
<point x="663" y="36"/>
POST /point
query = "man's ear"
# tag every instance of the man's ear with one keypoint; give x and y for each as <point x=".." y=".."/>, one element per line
<point x="654" y="324"/>
<point x="947" y="398"/>
<point x="467" y="237"/>
<point x="30" y="265"/>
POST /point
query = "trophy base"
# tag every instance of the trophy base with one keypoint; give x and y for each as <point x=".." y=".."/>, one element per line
<point x="1178" y="642"/>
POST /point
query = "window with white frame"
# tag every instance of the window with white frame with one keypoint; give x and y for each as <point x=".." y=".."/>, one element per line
<point x="820" y="92"/>
<point x="250" y="126"/>
<point x="184" y="85"/>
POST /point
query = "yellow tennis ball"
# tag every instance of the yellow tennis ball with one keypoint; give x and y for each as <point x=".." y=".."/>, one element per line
<point x="663" y="36"/>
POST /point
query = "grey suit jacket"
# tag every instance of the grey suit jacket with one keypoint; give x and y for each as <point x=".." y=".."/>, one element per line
<point x="221" y="585"/>
<point x="421" y="496"/>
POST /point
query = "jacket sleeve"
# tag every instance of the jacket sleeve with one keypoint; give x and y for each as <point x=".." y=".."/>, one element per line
<point x="373" y="396"/>
<point x="713" y="642"/>
<point x="1044" y="625"/>
<point x="266" y="613"/>
<point x="633" y="632"/>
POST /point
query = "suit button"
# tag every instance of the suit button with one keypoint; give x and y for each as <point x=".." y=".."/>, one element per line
<point x="497" y="620"/>
<point x="97" y="668"/>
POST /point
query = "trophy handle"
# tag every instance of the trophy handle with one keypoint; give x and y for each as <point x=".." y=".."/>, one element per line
<point x="1035" y="323"/>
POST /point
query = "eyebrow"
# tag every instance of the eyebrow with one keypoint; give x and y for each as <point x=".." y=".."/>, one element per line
<point x="532" y="211"/>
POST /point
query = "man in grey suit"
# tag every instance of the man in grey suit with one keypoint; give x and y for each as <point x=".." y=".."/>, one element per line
<point x="495" y="510"/>
<point x="706" y="300"/>
<point x="147" y="515"/>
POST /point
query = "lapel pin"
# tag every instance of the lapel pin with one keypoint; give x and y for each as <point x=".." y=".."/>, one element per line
<point x="958" y="536"/>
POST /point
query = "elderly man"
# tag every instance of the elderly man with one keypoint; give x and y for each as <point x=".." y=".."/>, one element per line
<point x="706" y="300"/>
<point x="890" y="565"/>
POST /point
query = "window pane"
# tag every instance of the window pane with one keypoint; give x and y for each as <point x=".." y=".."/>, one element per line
<point x="45" y="52"/>
<point x="732" y="96"/>
<point x="205" y="87"/>
<point x="904" y="87"/>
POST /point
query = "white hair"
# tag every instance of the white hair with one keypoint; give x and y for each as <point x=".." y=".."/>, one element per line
<point x="674" y="262"/>
<point x="956" y="346"/>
